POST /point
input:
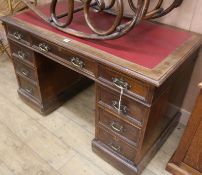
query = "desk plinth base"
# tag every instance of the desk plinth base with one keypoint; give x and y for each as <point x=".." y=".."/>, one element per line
<point x="43" y="109"/>
<point x="126" y="166"/>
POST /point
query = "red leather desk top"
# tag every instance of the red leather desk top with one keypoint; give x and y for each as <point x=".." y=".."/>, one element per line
<point x="146" y="45"/>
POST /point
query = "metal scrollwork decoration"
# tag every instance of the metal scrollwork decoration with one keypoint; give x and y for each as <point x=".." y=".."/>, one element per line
<point x="140" y="8"/>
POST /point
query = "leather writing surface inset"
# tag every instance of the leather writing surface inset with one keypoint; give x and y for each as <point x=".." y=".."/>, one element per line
<point x="146" y="45"/>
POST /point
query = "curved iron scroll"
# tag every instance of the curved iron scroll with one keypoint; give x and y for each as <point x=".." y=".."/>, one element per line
<point x="140" y="11"/>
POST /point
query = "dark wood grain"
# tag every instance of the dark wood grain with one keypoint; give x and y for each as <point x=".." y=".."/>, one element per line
<point x="24" y="70"/>
<point x="125" y="130"/>
<point x="133" y="112"/>
<point x="116" y="145"/>
<point x="22" y="53"/>
<point x="137" y="88"/>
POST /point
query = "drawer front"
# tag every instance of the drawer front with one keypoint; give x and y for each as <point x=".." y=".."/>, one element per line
<point x="24" y="70"/>
<point x="22" y="53"/>
<point x="78" y="62"/>
<point x="115" y="144"/>
<point x="29" y="88"/>
<point x="128" y="132"/>
<point x="131" y="86"/>
<point x="18" y="34"/>
<point x="130" y="109"/>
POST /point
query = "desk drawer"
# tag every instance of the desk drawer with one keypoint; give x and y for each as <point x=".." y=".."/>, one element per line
<point x="77" y="61"/>
<point x="132" y="86"/>
<point x="24" y="70"/>
<point x="18" y="34"/>
<point x="22" y="53"/>
<point x="125" y="130"/>
<point x="130" y="109"/>
<point x="29" y="88"/>
<point x="115" y="144"/>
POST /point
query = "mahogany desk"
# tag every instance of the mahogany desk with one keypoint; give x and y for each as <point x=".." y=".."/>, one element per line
<point x="153" y="64"/>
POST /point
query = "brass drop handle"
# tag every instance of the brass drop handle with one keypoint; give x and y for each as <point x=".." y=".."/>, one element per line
<point x="120" y="83"/>
<point x="77" y="62"/>
<point x="25" y="72"/>
<point x="123" y="108"/>
<point x="21" y="55"/>
<point x="43" y="47"/>
<point x="115" y="147"/>
<point x="17" y="35"/>
<point x="29" y="90"/>
<point x="116" y="127"/>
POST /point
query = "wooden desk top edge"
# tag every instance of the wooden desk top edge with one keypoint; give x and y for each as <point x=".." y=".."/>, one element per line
<point x="154" y="76"/>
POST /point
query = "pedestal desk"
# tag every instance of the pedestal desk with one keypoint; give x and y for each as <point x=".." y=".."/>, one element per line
<point x="152" y="64"/>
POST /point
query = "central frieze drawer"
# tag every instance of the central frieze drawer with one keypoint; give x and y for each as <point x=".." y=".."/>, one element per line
<point x="125" y="130"/>
<point x="115" y="144"/>
<point x="74" y="60"/>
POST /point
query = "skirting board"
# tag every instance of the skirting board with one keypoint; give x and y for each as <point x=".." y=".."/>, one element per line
<point x="184" y="114"/>
<point x="184" y="117"/>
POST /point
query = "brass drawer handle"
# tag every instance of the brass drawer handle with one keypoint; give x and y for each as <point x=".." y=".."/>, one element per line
<point x="21" y="55"/>
<point x="25" y="72"/>
<point x="115" y="147"/>
<point x="123" y="108"/>
<point x="116" y="127"/>
<point x="29" y="90"/>
<point x="17" y="35"/>
<point x="120" y="83"/>
<point x="77" y="62"/>
<point x="43" y="47"/>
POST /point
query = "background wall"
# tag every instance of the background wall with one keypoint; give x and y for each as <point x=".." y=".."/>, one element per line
<point x="189" y="17"/>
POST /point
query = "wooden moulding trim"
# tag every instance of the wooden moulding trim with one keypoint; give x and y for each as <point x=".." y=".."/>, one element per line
<point x="189" y="169"/>
<point x="174" y="169"/>
<point x="181" y="169"/>
<point x="155" y="76"/>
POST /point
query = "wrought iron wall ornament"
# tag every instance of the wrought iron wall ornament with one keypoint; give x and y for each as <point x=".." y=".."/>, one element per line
<point x="117" y="29"/>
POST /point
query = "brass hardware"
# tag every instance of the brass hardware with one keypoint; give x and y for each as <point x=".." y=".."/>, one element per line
<point x="123" y="108"/>
<point x="29" y="90"/>
<point x="119" y="83"/>
<point x="116" y="127"/>
<point x="17" y="35"/>
<point x="25" y="72"/>
<point x="77" y="62"/>
<point x="21" y="55"/>
<point x="115" y="147"/>
<point x="43" y="47"/>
